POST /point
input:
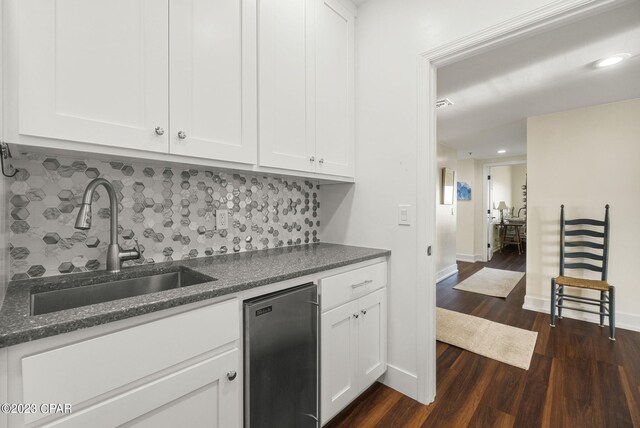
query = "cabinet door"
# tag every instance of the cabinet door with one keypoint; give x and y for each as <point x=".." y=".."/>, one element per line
<point x="94" y="71"/>
<point x="201" y="395"/>
<point x="335" y="139"/>
<point x="213" y="79"/>
<point x="372" y="337"/>
<point x="339" y="349"/>
<point x="286" y="88"/>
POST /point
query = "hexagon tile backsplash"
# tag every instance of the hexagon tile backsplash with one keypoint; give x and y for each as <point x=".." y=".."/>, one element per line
<point x="170" y="210"/>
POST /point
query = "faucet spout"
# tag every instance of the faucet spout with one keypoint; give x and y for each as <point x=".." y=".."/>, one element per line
<point x="83" y="222"/>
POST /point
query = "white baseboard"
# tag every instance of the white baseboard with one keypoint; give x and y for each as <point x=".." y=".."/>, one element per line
<point x="402" y="381"/>
<point x="447" y="272"/>
<point x="623" y="320"/>
<point x="471" y="258"/>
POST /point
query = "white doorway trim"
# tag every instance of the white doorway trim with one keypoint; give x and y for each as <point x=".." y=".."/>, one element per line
<point x="486" y="196"/>
<point x="557" y="13"/>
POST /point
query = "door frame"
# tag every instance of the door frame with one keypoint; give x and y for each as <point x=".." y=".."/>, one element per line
<point x="486" y="196"/>
<point x="556" y="13"/>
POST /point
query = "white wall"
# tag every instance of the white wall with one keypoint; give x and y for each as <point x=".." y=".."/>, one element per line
<point x="445" y="249"/>
<point x="585" y="159"/>
<point x="390" y="34"/>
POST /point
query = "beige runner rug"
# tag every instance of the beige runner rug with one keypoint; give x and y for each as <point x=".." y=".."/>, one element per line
<point x="490" y="339"/>
<point x="492" y="282"/>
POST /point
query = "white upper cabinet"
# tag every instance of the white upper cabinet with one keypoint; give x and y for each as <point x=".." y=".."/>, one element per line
<point x="162" y="76"/>
<point x="257" y="85"/>
<point x="335" y="148"/>
<point x="213" y="79"/>
<point x="93" y="71"/>
<point x="306" y="83"/>
<point x="286" y="66"/>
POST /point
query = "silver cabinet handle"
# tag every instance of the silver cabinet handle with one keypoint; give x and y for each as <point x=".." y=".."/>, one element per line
<point x="321" y="160"/>
<point x="159" y="130"/>
<point x="360" y="284"/>
<point x="355" y="315"/>
<point x="364" y="312"/>
<point x="312" y="159"/>
<point x="182" y="135"/>
<point x="232" y="375"/>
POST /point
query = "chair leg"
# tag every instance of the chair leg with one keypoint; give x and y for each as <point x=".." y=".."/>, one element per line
<point x="553" y="302"/>
<point x="560" y="300"/>
<point x="612" y="313"/>
<point x="602" y="296"/>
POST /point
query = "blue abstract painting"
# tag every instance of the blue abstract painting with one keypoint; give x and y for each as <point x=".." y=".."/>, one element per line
<point x="464" y="191"/>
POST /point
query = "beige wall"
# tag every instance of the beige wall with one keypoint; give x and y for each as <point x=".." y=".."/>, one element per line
<point x="518" y="179"/>
<point x="470" y="238"/>
<point x="445" y="249"/>
<point x="584" y="159"/>
<point x="501" y="187"/>
<point x="465" y="224"/>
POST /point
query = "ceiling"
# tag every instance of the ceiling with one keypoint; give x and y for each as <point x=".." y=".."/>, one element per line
<point x="494" y="92"/>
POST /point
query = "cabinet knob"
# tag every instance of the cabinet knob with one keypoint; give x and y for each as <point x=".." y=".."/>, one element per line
<point x="232" y="375"/>
<point x="364" y="312"/>
<point x="312" y="159"/>
<point x="182" y="135"/>
<point x="159" y="130"/>
<point x="356" y="315"/>
<point x="321" y="160"/>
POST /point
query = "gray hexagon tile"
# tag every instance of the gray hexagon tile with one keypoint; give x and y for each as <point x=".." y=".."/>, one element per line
<point x="171" y="211"/>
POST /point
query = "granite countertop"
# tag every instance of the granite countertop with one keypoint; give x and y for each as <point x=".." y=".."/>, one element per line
<point x="234" y="273"/>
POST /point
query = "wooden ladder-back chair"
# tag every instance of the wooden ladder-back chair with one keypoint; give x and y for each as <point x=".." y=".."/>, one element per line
<point x="584" y="234"/>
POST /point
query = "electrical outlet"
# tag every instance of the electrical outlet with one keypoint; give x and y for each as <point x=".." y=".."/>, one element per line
<point x="222" y="219"/>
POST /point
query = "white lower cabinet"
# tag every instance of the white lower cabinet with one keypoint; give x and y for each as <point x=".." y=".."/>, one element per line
<point x="182" y="370"/>
<point x="353" y="343"/>
<point x="200" y="395"/>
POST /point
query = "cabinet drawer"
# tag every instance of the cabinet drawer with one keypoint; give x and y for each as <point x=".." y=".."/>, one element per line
<point x="75" y="373"/>
<point x="341" y="288"/>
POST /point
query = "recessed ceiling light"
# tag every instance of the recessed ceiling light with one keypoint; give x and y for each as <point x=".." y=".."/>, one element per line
<point x="612" y="60"/>
<point x="502" y="151"/>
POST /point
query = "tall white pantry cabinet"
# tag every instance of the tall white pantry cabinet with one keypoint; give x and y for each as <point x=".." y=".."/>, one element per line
<point x="259" y="85"/>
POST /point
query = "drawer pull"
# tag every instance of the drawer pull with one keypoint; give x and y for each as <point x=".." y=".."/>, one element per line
<point x="360" y="284"/>
<point x="231" y="375"/>
<point x="364" y="312"/>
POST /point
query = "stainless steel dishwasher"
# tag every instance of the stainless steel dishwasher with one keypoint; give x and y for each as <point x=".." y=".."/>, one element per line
<point x="281" y="355"/>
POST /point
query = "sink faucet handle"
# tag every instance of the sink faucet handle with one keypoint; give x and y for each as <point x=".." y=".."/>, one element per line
<point x="131" y="254"/>
<point x="137" y="246"/>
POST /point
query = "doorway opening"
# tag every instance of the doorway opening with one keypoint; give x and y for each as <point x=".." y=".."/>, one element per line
<point x="506" y="207"/>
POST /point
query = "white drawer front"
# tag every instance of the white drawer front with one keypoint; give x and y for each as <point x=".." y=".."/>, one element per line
<point x="75" y="373"/>
<point x="341" y="288"/>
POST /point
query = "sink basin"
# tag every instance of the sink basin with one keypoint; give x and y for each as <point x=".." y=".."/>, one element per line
<point x="68" y="298"/>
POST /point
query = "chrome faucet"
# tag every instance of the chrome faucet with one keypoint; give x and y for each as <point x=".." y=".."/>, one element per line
<point x="114" y="254"/>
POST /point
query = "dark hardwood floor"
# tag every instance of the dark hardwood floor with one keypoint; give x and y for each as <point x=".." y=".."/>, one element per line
<point x="577" y="377"/>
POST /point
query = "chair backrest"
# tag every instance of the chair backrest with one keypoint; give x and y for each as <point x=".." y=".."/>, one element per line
<point x="584" y="233"/>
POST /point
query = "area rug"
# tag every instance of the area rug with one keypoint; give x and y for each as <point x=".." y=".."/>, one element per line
<point x="492" y="282"/>
<point x="490" y="339"/>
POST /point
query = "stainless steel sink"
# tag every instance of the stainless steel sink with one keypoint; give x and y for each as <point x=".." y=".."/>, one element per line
<point x="68" y="298"/>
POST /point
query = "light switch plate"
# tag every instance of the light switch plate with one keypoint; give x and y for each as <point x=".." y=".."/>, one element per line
<point x="404" y="215"/>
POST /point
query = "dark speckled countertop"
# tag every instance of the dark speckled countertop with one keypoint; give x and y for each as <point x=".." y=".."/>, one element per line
<point x="234" y="273"/>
